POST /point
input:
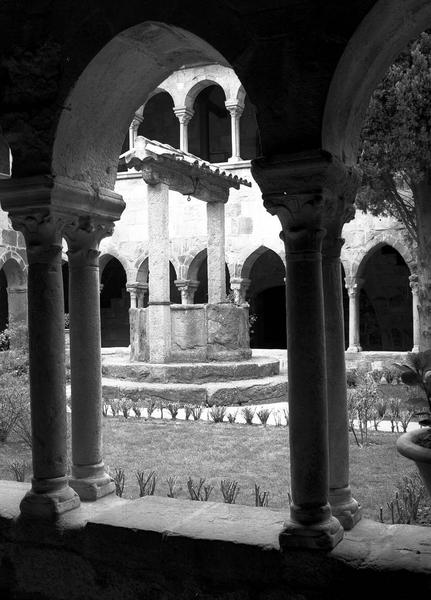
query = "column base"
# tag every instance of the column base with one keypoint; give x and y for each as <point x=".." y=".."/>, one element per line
<point x="234" y="159"/>
<point x="415" y="349"/>
<point x="91" y="482"/>
<point x="354" y="349"/>
<point x="48" y="499"/>
<point x="319" y="536"/>
<point x="345" y="508"/>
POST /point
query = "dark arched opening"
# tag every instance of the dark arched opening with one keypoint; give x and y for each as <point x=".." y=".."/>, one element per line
<point x="160" y="122"/>
<point x="175" y="294"/>
<point x="209" y="128"/>
<point x="201" y="295"/>
<point x="385" y="305"/>
<point x="114" y="305"/>
<point x="267" y="298"/>
<point x="4" y="305"/>
<point x="65" y="272"/>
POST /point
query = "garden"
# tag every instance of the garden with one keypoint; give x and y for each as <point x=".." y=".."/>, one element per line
<point x="237" y="454"/>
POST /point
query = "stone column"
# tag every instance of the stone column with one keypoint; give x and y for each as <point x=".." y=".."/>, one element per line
<point x="159" y="317"/>
<point x="184" y="115"/>
<point x="415" y="302"/>
<point x="294" y="188"/>
<point x="216" y="252"/>
<point x="187" y="288"/>
<point x="343" y="506"/>
<point x="141" y="292"/>
<point x="239" y="286"/>
<point x="131" y="288"/>
<point x="50" y="493"/>
<point x="235" y="109"/>
<point x="133" y="130"/>
<point x="89" y="478"/>
<point x="353" y="285"/>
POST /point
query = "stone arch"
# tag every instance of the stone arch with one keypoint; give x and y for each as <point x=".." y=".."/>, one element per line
<point x="216" y="74"/>
<point x="195" y="263"/>
<point x="382" y="239"/>
<point x="106" y="256"/>
<point x="13" y="289"/>
<point x="380" y="38"/>
<point x="248" y="263"/>
<point x="138" y="59"/>
<point x="14" y="268"/>
<point x="142" y="269"/>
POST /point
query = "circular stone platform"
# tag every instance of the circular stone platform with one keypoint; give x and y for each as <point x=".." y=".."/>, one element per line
<point x="253" y="381"/>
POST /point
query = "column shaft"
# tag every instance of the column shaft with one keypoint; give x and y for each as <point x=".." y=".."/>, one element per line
<point x="343" y="506"/>
<point x="216" y="252"/>
<point x="415" y="313"/>
<point x="354" y="337"/>
<point x="50" y="494"/>
<point x="88" y="471"/>
<point x="159" y="323"/>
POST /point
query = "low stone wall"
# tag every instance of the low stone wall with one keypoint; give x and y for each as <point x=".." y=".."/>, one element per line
<point x="159" y="548"/>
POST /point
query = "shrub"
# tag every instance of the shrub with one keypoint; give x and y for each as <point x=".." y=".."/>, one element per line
<point x="119" y="478"/>
<point x="217" y="413"/>
<point x="126" y="406"/>
<point x="277" y="418"/>
<point x="115" y="407"/>
<point x="199" y="491"/>
<point x="229" y="490"/>
<point x="19" y="468"/>
<point x="351" y="378"/>
<point x="286" y="416"/>
<point x="105" y="408"/>
<point x="408" y="497"/>
<point x="264" y="414"/>
<point x="151" y="406"/>
<point x="196" y="412"/>
<point x="14" y="397"/>
<point x="172" y="482"/>
<point x="147" y="484"/>
<point x="260" y="498"/>
<point x="138" y="409"/>
<point x="231" y="417"/>
<point x="4" y="340"/>
<point x="248" y="414"/>
<point x="23" y="426"/>
<point x="188" y="411"/>
<point x="173" y="409"/>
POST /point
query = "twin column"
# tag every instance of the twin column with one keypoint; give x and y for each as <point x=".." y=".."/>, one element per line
<point x="308" y="192"/>
<point x="53" y="491"/>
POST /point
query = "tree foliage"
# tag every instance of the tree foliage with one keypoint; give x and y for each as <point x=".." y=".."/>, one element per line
<point x="396" y="138"/>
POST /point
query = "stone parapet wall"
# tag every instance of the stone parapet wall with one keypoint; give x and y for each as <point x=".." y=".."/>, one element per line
<point x="199" y="333"/>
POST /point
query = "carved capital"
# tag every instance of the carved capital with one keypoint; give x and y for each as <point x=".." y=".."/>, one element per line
<point x="42" y="231"/>
<point x="183" y="114"/>
<point x="353" y="285"/>
<point x="235" y="108"/>
<point x="414" y="283"/>
<point x="136" y="121"/>
<point x="308" y="189"/>
<point x="83" y="239"/>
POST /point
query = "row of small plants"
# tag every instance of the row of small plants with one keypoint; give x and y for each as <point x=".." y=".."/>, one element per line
<point x="370" y="401"/>
<point x="148" y="408"/>
<point x="198" y="489"/>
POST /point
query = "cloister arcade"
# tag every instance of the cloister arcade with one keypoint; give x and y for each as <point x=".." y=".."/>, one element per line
<point x="309" y="72"/>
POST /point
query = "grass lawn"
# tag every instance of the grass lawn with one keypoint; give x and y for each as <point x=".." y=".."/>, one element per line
<point x="247" y="454"/>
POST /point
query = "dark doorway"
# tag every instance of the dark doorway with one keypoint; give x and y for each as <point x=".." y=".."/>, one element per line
<point x="114" y="305"/>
